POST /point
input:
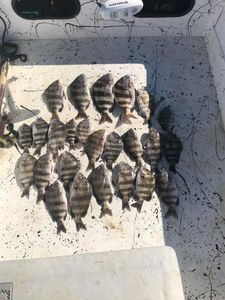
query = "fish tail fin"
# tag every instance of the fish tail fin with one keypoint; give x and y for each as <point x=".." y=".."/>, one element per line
<point x="124" y="118"/>
<point x="138" y="163"/>
<point x="137" y="205"/>
<point x="81" y="114"/>
<point x="60" y="227"/>
<point x="72" y="146"/>
<point x="55" y="115"/>
<point x="171" y="212"/>
<point x="91" y="165"/>
<point x="40" y="196"/>
<point x="145" y="121"/>
<point x="25" y="192"/>
<point x="80" y="225"/>
<point x="105" y="211"/>
<point x="37" y="152"/>
<point x="125" y="205"/>
<point x="109" y="165"/>
<point x="173" y="168"/>
<point x="66" y="185"/>
<point x="105" y="118"/>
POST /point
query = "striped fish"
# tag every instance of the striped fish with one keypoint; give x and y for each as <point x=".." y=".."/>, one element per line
<point x="56" y="204"/>
<point x="25" y="137"/>
<point x="112" y="149"/>
<point x="102" y="188"/>
<point x="79" y="95"/>
<point x="172" y="148"/>
<point x="56" y="136"/>
<point x="67" y="167"/>
<point x="132" y="146"/>
<point x="166" y="118"/>
<point x="94" y="147"/>
<point x="122" y="178"/>
<point x="54" y="96"/>
<point x="80" y="197"/>
<point x="152" y="148"/>
<point x="26" y="172"/>
<point x="103" y="98"/>
<point x="143" y="103"/>
<point x="144" y="186"/>
<point x="83" y="131"/>
<point x="162" y="180"/>
<point x="71" y="133"/>
<point x="40" y="133"/>
<point x="42" y="174"/>
<point x="125" y="97"/>
<point x="170" y="196"/>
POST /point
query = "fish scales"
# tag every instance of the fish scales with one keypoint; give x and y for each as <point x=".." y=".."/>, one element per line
<point x="40" y="132"/>
<point x="25" y="139"/>
<point x="143" y="102"/>
<point x="80" y="96"/>
<point x="54" y="98"/>
<point x="26" y="172"/>
<point x="42" y="174"/>
<point x="67" y="167"/>
<point x="56" y="136"/>
<point x="71" y="133"/>
<point x="94" y="147"/>
<point x="144" y="186"/>
<point x="152" y="148"/>
<point x="102" y="94"/>
<point x="102" y="188"/>
<point x="83" y="130"/>
<point x="162" y="180"/>
<point x="122" y="177"/>
<point x="56" y="204"/>
<point x="112" y="149"/>
<point x="172" y="147"/>
<point x="132" y="146"/>
<point x="80" y="197"/>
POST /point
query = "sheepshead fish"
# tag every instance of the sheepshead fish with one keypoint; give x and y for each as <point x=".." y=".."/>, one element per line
<point x="132" y="146"/>
<point x="71" y="133"/>
<point x="67" y="167"/>
<point x="25" y="137"/>
<point x="125" y="97"/>
<point x="54" y="97"/>
<point x="42" y="174"/>
<point x="152" y="148"/>
<point x="122" y="178"/>
<point x="80" y="197"/>
<point x="94" y="147"/>
<point x="40" y="133"/>
<point x="144" y="186"/>
<point x="56" y="137"/>
<point x="112" y="149"/>
<point x="143" y="103"/>
<point x="26" y="172"/>
<point x="103" y="98"/>
<point x="56" y="204"/>
<point x="162" y="181"/>
<point x="102" y="188"/>
<point x="170" y="196"/>
<point x="172" y="148"/>
<point x="79" y="95"/>
<point x="166" y="118"/>
<point x="83" y="131"/>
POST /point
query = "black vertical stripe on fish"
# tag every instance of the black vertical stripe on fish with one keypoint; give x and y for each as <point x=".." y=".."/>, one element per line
<point x="54" y="96"/>
<point x="71" y="133"/>
<point x="25" y="137"/>
<point x="112" y="149"/>
<point x="40" y="132"/>
<point x="94" y="147"/>
<point x="152" y="148"/>
<point x="132" y="146"/>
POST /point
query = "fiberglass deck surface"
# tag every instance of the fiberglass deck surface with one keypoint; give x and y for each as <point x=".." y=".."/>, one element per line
<point x="175" y="68"/>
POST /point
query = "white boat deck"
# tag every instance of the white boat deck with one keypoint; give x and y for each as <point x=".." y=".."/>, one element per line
<point x="175" y="68"/>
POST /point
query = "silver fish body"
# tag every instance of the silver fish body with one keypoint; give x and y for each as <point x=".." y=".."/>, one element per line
<point x="71" y="133"/>
<point x="40" y="133"/>
<point x="80" y="197"/>
<point x="56" y="204"/>
<point x="122" y="178"/>
<point x="25" y="137"/>
<point x="102" y="94"/>
<point x="94" y="147"/>
<point x="26" y="172"/>
<point x="42" y="174"/>
<point x="152" y="148"/>
<point x="132" y="146"/>
<point x="83" y="130"/>
<point x="56" y="136"/>
<point x="112" y="149"/>
<point x="79" y="95"/>
<point x="102" y="188"/>
<point x="125" y="97"/>
<point x="54" y="98"/>
<point x="144" y="186"/>
<point x="67" y="167"/>
<point x="143" y="103"/>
